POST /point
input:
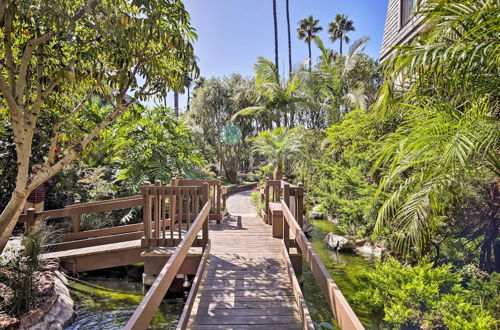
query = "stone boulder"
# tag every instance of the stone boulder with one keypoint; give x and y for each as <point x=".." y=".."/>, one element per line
<point x="369" y="249"/>
<point x="333" y="220"/>
<point x="339" y="243"/>
<point x="314" y="215"/>
<point x="317" y="212"/>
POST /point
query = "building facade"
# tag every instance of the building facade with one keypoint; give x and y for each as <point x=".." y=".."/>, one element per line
<point x="401" y="25"/>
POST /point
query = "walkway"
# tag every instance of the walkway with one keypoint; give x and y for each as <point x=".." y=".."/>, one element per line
<point x="246" y="283"/>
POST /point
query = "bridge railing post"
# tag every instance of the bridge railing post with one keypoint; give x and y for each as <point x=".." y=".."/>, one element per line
<point x="77" y="220"/>
<point x="266" y="200"/>
<point x="219" y="197"/>
<point x="299" y="205"/>
<point x="30" y="220"/>
<point x="286" y="194"/>
<point x="205" y="191"/>
<point x="286" y="234"/>
<point x="157" y="212"/>
<point x="146" y="214"/>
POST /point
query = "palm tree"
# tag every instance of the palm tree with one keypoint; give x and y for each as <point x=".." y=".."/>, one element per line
<point x="276" y="57"/>
<point x="451" y="130"/>
<point x="276" y="98"/>
<point x="307" y="31"/>
<point x="278" y="146"/>
<point x="289" y="38"/>
<point x="338" y="29"/>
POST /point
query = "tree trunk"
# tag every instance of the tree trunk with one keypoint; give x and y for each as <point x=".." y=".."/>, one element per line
<point x="8" y="218"/>
<point x="310" y="55"/>
<point x="278" y="171"/>
<point x="188" y="98"/>
<point x="340" y="46"/>
<point x="176" y="104"/>
<point x="289" y="39"/>
<point x="276" y="57"/>
<point x="491" y="238"/>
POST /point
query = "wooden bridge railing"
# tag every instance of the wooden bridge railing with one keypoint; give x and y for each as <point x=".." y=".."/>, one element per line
<point x="339" y="306"/>
<point x="217" y="194"/>
<point x="170" y="210"/>
<point x="275" y="190"/>
<point x="79" y="239"/>
<point x="149" y="305"/>
<point x="184" y="200"/>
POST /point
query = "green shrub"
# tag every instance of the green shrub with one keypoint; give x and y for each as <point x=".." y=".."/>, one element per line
<point x="258" y="203"/>
<point x="424" y="296"/>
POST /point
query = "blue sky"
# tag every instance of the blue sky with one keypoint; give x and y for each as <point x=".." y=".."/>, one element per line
<point x="233" y="33"/>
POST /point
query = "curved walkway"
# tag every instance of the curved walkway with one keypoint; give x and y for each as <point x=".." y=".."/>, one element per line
<point x="246" y="284"/>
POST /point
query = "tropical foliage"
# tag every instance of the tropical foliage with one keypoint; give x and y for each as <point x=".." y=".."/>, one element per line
<point x="444" y="87"/>
<point x="278" y="146"/>
<point x="428" y="297"/>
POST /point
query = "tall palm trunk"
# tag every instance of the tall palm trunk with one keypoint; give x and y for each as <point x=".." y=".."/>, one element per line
<point x="341" y="44"/>
<point x="310" y="55"/>
<point x="176" y="103"/>
<point x="276" y="57"/>
<point x="278" y="171"/>
<point x="289" y="39"/>
<point x="188" y="106"/>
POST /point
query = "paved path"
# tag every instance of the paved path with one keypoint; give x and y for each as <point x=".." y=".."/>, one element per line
<point x="246" y="283"/>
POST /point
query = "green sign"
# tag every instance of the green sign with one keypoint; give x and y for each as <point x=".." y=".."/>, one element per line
<point x="231" y="134"/>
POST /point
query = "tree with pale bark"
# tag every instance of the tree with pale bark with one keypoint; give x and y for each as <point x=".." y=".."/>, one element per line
<point x="57" y="55"/>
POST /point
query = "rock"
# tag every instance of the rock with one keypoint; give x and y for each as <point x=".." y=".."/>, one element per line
<point x="339" y="243"/>
<point x="369" y="249"/>
<point x="314" y="215"/>
<point x="7" y="322"/>
<point x="333" y="220"/>
<point x="12" y="249"/>
<point x="45" y="283"/>
<point x="360" y="242"/>
<point x="307" y="227"/>
<point x="60" y="312"/>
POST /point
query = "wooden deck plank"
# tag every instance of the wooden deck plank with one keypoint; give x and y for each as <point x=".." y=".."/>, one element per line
<point x="245" y="285"/>
<point x="250" y="327"/>
<point x="268" y="320"/>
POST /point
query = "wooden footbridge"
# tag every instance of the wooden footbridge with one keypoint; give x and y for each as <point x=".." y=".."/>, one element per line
<point x="247" y="267"/>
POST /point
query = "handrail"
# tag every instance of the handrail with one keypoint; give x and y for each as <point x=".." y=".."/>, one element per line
<point x="85" y="208"/>
<point x="147" y="308"/>
<point x="297" y="292"/>
<point x="188" y="305"/>
<point x="339" y="306"/>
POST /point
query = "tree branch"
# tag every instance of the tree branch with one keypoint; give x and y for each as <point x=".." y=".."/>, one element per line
<point x="8" y="52"/>
<point x="57" y="127"/>
<point x="3" y="4"/>
<point x="25" y="62"/>
<point x="47" y="172"/>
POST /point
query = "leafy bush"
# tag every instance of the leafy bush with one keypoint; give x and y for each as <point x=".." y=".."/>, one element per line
<point x="257" y="201"/>
<point x="425" y="296"/>
<point x="343" y="182"/>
